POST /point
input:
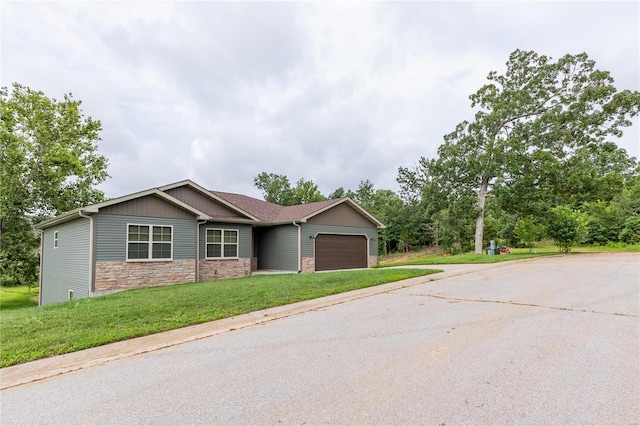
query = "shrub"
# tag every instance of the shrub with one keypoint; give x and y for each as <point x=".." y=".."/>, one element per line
<point x="567" y="227"/>
<point x="630" y="233"/>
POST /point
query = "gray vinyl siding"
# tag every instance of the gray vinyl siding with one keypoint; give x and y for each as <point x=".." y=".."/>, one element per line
<point x="278" y="248"/>
<point x="66" y="267"/>
<point x="310" y="230"/>
<point x="111" y="240"/>
<point x="244" y="237"/>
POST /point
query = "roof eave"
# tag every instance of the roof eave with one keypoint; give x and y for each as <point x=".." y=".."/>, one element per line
<point x="63" y="218"/>
<point x="234" y="220"/>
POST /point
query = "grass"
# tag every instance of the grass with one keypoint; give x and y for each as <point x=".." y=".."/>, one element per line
<point x="544" y="249"/>
<point x="609" y="248"/>
<point x="39" y="332"/>
<point x="423" y="258"/>
<point x="18" y="297"/>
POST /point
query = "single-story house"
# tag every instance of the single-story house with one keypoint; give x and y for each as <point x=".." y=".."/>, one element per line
<point x="183" y="232"/>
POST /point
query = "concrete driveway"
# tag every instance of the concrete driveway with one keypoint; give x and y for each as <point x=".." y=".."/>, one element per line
<point x="550" y="341"/>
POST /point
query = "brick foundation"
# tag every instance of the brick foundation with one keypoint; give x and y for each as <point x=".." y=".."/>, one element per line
<point x="121" y="275"/>
<point x="224" y="268"/>
<point x="373" y="261"/>
<point x="308" y="264"/>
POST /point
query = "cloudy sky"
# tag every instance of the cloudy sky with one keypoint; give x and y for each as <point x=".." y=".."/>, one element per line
<point x="218" y="92"/>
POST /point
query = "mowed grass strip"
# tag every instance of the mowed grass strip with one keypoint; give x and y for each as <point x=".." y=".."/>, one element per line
<point x="18" y="297"/>
<point x="516" y="253"/>
<point x="32" y="333"/>
<point x="468" y="258"/>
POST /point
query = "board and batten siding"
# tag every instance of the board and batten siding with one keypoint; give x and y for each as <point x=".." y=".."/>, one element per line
<point x="202" y="202"/>
<point x="111" y="238"/>
<point x="244" y="237"/>
<point x="310" y="230"/>
<point x="149" y="206"/>
<point x="342" y="215"/>
<point x="68" y="266"/>
<point x="278" y="248"/>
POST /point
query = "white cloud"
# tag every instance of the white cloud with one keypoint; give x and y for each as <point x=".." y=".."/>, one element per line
<point x="218" y="92"/>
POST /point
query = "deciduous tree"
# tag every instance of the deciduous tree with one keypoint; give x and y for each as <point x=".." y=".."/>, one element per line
<point x="277" y="189"/>
<point x="528" y="231"/>
<point x="567" y="227"/>
<point x="539" y="111"/>
<point x="49" y="163"/>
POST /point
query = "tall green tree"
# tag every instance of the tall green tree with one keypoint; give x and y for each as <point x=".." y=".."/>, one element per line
<point x="48" y="164"/>
<point x="277" y="189"/>
<point x="305" y="192"/>
<point x="539" y="109"/>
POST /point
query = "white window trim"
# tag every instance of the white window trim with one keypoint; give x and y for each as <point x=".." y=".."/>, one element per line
<point x="150" y="242"/>
<point x="55" y="239"/>
<point x="222" y="244"/>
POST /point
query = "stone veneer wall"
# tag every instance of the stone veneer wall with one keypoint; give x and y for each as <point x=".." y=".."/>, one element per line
<point x="224" y="268"/>
<point x="308" y="264"/>
<point x="121" y="275"/>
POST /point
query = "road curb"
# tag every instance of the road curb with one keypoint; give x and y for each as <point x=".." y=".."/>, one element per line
<point x="33" y="371"/>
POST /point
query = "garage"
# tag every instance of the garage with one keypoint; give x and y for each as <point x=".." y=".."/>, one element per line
<point x="340" y="252"/>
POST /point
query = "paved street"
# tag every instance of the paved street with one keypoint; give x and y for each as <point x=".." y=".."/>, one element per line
<point x="552" y="341"/>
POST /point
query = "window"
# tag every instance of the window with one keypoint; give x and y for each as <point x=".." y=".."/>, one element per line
<point x="149" y="242"/>
<point x="222" y="243"/>
<point x="55" y="239"/>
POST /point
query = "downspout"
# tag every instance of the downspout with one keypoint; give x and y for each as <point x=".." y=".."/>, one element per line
<point x="198" y="223"/>
<point x="299" y="245"/>
<point x="81" y="214"/>
<point x="40" y="271"/>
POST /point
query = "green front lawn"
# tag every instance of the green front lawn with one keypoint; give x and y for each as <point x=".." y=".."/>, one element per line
<point x="18" y="297"/>
<point x="39" y="332"/>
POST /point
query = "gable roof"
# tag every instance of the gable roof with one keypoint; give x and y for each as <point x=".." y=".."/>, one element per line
<point x="274" y="213"/>
<point x="95" y="208"/>
<point x="263" y="210"/>
<point x="213" y="195"/>
<point x="252" y="208"/>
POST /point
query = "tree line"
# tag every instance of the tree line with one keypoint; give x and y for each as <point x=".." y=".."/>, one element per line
<point x="536" y="161"/>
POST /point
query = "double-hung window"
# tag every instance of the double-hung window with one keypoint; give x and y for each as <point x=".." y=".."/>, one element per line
<point x="222" y="243"/>
<point x="55" y="239"/>
<point x="149" y="242"/>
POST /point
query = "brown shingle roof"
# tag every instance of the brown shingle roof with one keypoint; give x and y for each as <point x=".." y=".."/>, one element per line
<point x="271" y="212"/>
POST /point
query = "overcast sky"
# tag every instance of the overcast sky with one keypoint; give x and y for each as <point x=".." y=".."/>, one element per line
<point x="218" y="92"/>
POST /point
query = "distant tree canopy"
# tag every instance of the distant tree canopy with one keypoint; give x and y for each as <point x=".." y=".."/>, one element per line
<point x="277" y="189"/>
<point x="538" y="139"/>
<point x="48" y="164"/>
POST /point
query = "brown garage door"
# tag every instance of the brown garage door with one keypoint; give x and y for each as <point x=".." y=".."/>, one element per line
<point x="340" y="252"/>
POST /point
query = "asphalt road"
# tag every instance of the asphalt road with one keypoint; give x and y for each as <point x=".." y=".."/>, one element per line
<point x="554" y="341"/>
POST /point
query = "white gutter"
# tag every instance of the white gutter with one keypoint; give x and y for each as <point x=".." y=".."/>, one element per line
<point x="91" y="251"/>
<point x="198" y="223"/>
<point x="299" y="245"/>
